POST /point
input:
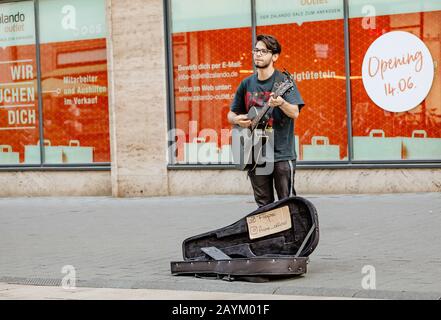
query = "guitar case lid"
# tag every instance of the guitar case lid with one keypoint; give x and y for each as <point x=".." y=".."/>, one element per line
<point x="275" y="239"/>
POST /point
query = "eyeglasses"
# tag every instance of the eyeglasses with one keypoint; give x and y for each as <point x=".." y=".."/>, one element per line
<point x="262" y="52"/>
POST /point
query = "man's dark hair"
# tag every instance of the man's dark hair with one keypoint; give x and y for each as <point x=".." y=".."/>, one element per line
<point x="270" y="42"/>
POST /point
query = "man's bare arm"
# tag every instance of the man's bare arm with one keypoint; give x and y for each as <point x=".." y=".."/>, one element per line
<point x="291" y="110"/>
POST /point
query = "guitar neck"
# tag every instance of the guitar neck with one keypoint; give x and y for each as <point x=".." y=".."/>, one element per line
<point x="259" y="117"/>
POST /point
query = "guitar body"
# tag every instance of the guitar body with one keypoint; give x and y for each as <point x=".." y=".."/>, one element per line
<point x="247" y="143"/>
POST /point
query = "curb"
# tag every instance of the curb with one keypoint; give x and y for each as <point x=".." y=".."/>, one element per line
<point x="204" y="285"/>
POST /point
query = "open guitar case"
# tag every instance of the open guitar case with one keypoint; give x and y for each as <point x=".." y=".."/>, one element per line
<point x="235" y="252"/>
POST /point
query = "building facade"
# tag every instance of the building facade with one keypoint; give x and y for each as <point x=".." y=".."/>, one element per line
<point x="129" y="98"/>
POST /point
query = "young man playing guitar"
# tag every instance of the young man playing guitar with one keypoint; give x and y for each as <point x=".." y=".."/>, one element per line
<point x="255" y="91"/>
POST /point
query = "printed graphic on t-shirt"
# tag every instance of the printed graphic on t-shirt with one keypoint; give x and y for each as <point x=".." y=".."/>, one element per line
<point x="257" y="99"/>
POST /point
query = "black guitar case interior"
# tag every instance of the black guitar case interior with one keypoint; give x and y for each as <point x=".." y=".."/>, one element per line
<point x="270" y="242"/>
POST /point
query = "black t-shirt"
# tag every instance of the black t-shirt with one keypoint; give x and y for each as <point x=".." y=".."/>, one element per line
<point x="253" y="92"/>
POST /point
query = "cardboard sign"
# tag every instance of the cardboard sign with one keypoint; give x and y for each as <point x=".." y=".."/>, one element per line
<point x="270" y="222"/>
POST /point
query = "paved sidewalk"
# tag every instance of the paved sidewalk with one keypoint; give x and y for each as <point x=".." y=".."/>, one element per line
<point x="129" y="243"/>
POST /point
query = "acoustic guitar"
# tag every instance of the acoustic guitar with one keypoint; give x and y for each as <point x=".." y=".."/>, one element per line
<point x="247" y="143"/>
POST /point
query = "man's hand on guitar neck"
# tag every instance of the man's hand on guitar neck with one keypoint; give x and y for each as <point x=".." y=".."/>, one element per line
<point x="275" y="102"/>
<point x="291" y="110"/>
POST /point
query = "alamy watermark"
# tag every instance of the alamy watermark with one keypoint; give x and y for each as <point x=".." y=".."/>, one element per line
<point x="69" y="281"/>
<point x="369" y="280"/>
<point x="238" y="146"/>
<point x="369" y="20"/>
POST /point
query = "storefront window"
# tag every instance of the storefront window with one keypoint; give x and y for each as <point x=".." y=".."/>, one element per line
<point x="395" y="79"/>
<point x="211" y="44"/>
<point x="18" y="85"/>
<point x="74" y="81"/>
<point x="311" y="35"/>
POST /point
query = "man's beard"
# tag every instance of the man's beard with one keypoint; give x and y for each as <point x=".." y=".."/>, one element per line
<point x="262" y="66"/>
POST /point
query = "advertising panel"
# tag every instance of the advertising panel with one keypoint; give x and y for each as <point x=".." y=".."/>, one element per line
<point x="18" y="84"/>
